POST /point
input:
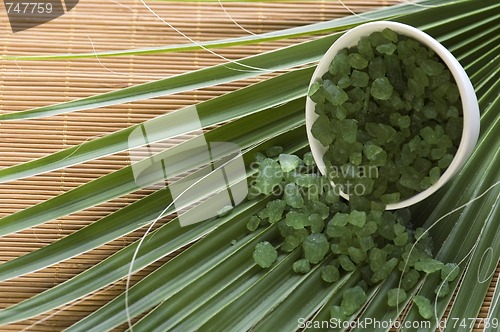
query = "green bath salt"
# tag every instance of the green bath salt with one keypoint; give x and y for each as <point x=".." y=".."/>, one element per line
<point x="388" y="104"/>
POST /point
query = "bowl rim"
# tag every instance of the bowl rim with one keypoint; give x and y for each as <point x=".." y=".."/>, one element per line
<point x="470" y="107"/>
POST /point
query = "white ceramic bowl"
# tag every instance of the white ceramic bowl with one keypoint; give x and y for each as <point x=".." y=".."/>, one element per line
<point x="470" y="106"/>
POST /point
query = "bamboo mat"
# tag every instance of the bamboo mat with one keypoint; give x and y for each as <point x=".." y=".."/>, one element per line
<point x="104" y="26"/>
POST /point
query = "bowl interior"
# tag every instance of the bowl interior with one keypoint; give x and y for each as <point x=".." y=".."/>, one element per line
<point x="470" y="107"/>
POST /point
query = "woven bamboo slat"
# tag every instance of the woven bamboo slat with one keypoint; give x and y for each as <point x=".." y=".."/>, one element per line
<point x="105" y="26"/>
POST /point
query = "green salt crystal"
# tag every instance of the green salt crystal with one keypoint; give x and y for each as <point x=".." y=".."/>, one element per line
<point x="375" y="154"/>
<point x="274" y="151"/>
<point x="268" y="177"/>
<point x="440" y="91"/>
<point x="292" y="196"/>
<point x="357" y="61"/>
<point x="453" y="94"/>
<point x="439" y="80"/>
<point x="390" y="171"/>
<point x="315" y="246"/>
<point x="339" y="248"/>
<point x="417" y="89"/>
<point x="356" y="158"/>
<point x="399" y="229"/>
<point x="364" y="48"/>
<point x="410" y="279"/>
<point x="370" y="227"/>
<point x="394" y="72"/>
<point x="404" y="122"/>
<point x="306" y="180"/>
<point x="352" y="300"/>
<point x="334" y="94"/>
<point x="445" y="141"/>
<point x="430" y="111"/>
<point x="294" y="240"/>
<point x="454" y="129"/>
<point x="340" y="219"/>
<point x="378" y="38"/>
<point x="377" y="258"/>
<point x="321" y="209"/>
<point x="442" y="289"/>
<point x="253" y="223"/>
<point x="263" y="214"/>
<point x="434" y="174"/>
<point x="424" y="149"/>
<point x="421" y="77"/>
<point x="366" y="243"/>
<point x="403" y="216"/>
<point x="357" y="218"/>
<point x="340" y="112"/>
<point x="359" y="78"/>
<point x="429" y="265"/>
<point x="320" y="109"/>
<point x="425" y="183"/>
<point x="431" y="67"/>
<point x="395" y="296"/>
<point x="380" y="187"/>
<point x="437" y="153"/>
<point x="275" y="210"/>
<point x="357" y="96"/>
<point x="349" y="130"/>
<point x="410" y="178"/>
<point x="376" y="68"/>
<point x="386" y="48"/>
<point x="381" y="132"/>
<point x="406" y="53"/>
<point x="322" y="131"/>
<point x="450" y="272"/>
<point x="316" y="222"/>
<point x="301" y="266"/>
<point x="422" y="52"/>
<point x="340" y="65"/>
<point x="288" y="162"/>
<point x="362" y="182"/>
<point x="356" y="255"/>
<point x="401" y="239"/>
<point x="421" y="233"/>
<point x="330" y="273"/>
<point x="390" y="35"/>
<point x="381" y="88"/>
<point x="407" y="156"/>
<point x="331" y="196"/>
<point x="390" y="198"/>
<point x="424" y="306"/>
<point x="296" y="220"/>
<point x="422" y="165"/>
<point x="382" y="272"/>
<point x="346" y="264"/>
<point x="284" y="229"/>
<point x="264" y="254"/>
<point x="337" y="313"/>
<point x="316" y="93"/>
<point x="309" y="159"/>
<point x="344" y="82"/>
<point x="445" y="161"/>
<point x="259" y="157"/>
